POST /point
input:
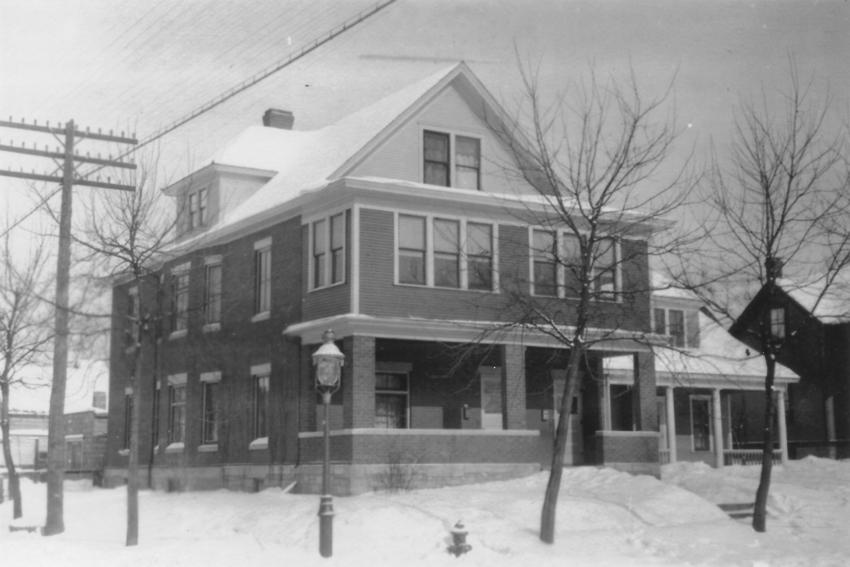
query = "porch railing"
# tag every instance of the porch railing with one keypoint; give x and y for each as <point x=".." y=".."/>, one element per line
<point x="748" y="456"/>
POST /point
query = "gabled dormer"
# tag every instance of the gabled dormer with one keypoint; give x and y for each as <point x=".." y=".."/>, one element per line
<point x="675" y="314"/>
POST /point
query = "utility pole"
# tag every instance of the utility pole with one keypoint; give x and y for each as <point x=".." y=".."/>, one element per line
<point x="67" y="159"/>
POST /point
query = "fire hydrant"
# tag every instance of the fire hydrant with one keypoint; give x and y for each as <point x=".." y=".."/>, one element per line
<point x="459" y="545"/>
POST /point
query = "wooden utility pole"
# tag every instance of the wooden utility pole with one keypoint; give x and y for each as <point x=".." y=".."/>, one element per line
<point x="67" y="135"/>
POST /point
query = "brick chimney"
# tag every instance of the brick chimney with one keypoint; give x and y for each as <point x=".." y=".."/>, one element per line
<point x="277" y="118"/>
<point x="99" y="400"/>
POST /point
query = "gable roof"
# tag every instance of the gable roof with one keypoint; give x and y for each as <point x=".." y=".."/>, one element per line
<point x="830" y="306"/>
<point x="306" y="160"/>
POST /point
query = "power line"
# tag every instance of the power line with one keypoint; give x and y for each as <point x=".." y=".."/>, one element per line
<point x="227" y="95"/>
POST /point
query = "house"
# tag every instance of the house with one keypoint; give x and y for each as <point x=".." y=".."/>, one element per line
<point x="27" y="440"/>
<point x="710" y="386"/>
<point x="398" y="228"/>
<point x="85" y="438"/>
<point x="811" y="322"/>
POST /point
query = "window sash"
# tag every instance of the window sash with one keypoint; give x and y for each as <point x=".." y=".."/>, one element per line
<point x="210" y="417"/>
<point x="436" y="147"/>
<point x="179" y="301"/>
<point x="446" y="253"/>
<point x="319" y="250"/>
<point x="411" y="250"/>
<point x="659" y="321"/>
<point x="467" y="162"/>
<point x="676" y="326"/>
<point x="193" y="210"/>
<point x="337" y="245"/>
<point x="545" y="268"/>
<point x="262" y="280"/>
<point x="177" y="414"/>
<point x="777" y="322"/>
<point x="202" y="207"/>
<point x="260" y="395"/>
<point x="391" y="400"/>
<point x="212" y="293"/>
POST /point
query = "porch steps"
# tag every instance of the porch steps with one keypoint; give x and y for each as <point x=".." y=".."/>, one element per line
<point x="738" y="510"/>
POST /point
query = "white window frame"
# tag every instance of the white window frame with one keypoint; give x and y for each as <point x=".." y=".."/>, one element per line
<point x="707" y="399"/>
<point x="560" y="268"/>
<point x="261" y="246"/>
<point x="453" y="134"/>
<point x="463" y="247"/>
<point x="327" y="253"/>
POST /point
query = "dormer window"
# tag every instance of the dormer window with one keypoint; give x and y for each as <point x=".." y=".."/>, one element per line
<point x="451" y="160"/>
<point x="197" y="209"/>
<point x="671" y="322"/>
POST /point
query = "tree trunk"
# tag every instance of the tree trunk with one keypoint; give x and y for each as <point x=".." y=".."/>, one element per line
<point x="562" y="433"/>
<point x="133" y="460"/>
<point x="760" y="507"/>
<point x="14" y="481"/>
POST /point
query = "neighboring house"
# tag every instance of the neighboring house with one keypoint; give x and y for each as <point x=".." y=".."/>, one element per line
<point x="813" y="330"/>
<point x="710" y="387"/>
<point x="398" y="228"/>
<point x="85" y="439"/>
<point x="27" y="440"/>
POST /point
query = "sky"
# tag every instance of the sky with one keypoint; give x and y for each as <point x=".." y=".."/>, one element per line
<point x="139" y="66"/>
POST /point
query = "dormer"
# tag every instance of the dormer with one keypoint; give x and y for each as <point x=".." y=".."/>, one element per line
<point x="676" y="314"/>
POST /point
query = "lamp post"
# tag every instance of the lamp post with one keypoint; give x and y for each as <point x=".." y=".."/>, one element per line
<point x="328" y="361"/>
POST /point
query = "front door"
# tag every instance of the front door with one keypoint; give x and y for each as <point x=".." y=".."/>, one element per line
<point x="491" y="397"/>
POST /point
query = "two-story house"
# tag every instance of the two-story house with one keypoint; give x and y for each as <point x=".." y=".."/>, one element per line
<point x="811" y="324"/>
<point x="399" y="228"/>
<point x="710" y="386"/>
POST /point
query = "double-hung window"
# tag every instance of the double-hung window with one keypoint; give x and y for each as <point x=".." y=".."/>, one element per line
<point x="177" y="408"/>
<point x="441" y="252"/>
<point x="262" y="276"/>
<point x="670" y="322"/>
<point x="197" y="209"/>
<point x="777" y="322"/>
<point x="180" y="298"/>
<point x="446" y="253"/>
<point x="391" y="400"/>
<point x="260" y="376"/>
<point x="210" y="388"/>
<point x="545" y="265"/>
<point x="212" y="291"/>
<point x="557" y="263"/>
<point x="451" y="160"/>
<point x="411" y="250"/>
<point x="328" y="251"/>
<point x="479" y="256"/>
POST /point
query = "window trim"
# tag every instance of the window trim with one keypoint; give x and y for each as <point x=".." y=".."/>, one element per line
<point x="197" y="205"/>
<point x="463" y="247"/>
<point x="177" y="272"/>
<point x="401" y="369"/>
<point x="208" y="380"/>
<point x="560" y="268"/>
<point x="175" y="382"/>
<point x="258" y="372"/>
<point x="212" y="262"/>
<point x="327" y="253"/>
<point x="453" y="135"/>
<point x="667" y="325"/>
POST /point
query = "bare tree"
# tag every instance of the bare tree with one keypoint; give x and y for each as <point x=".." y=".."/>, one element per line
<point x="126" y="236"/>
<point x="25" y="335"/>
<point x="598" y="158"/>
<point x="780" y="199"/>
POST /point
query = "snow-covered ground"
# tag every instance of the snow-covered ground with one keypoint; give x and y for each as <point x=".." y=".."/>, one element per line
<point x="604" y="518"/>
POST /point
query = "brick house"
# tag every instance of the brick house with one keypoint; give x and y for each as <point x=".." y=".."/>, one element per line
<point x="710" y="387"/>
<point x="814" y="330"/>
<point x="85" y="438"/>
<point x="399" y="228"/>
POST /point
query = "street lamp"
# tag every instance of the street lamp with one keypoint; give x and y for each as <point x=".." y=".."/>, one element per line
<point x="328" y="361"/>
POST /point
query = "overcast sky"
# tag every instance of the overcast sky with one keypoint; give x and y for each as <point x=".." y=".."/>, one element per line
<point x="125" y="64"/>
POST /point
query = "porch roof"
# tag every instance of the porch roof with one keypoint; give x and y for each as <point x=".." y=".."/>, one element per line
<point x="452" y="330"/>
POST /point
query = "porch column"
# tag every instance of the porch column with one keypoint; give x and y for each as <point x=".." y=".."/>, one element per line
<point x="358" y="382"/>
<point x="644" y="399"/>
<point x="669" y="406"/>
<point x="717" y="426"/>
<point x="513" y="386"/>
<point x="783" y="427"/>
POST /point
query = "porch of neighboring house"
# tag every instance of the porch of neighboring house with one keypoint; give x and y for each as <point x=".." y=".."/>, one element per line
<point x="451" y="413"/>
<point x="714" y="419"/>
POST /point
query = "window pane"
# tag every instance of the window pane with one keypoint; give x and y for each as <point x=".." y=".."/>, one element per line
<point x="337" y="248"/>
<point x="390" y="411"/>
<point x="212" y="294"/>
<point x="446" y="236"/>
<point x="261" y="391"/>
<point x="777" y="322"/>
<point x="338" y="231"/>
<point x="545" y="269"/>
<point x="480" y="272"/>
<point x="210" y="421"/>
<point x="479" y="239"/>
<point x="701" y="425"/>
<point x="262" y="280"/>
<point x="544" y="245"/>
<point x="446" y="253"/>
<point x="411" y="232"/>
<point x="202" y="207"/>
<point x="411" y="267"/>
<point x="390" y="381"/>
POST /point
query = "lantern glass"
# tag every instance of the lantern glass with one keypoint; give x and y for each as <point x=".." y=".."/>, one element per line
<point x="327" y="372"/>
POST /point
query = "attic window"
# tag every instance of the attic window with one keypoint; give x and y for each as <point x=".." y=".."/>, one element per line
<point x="777" y="322"/>
<point x="443" y="167"/>
<point x="197" y="208"/>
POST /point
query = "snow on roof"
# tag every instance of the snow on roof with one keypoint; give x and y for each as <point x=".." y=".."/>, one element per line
<point x="833" y="306"/>
<point x="307" y="159"/>
<point x="719" y="356"/>
<point x="663" y="286"/>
